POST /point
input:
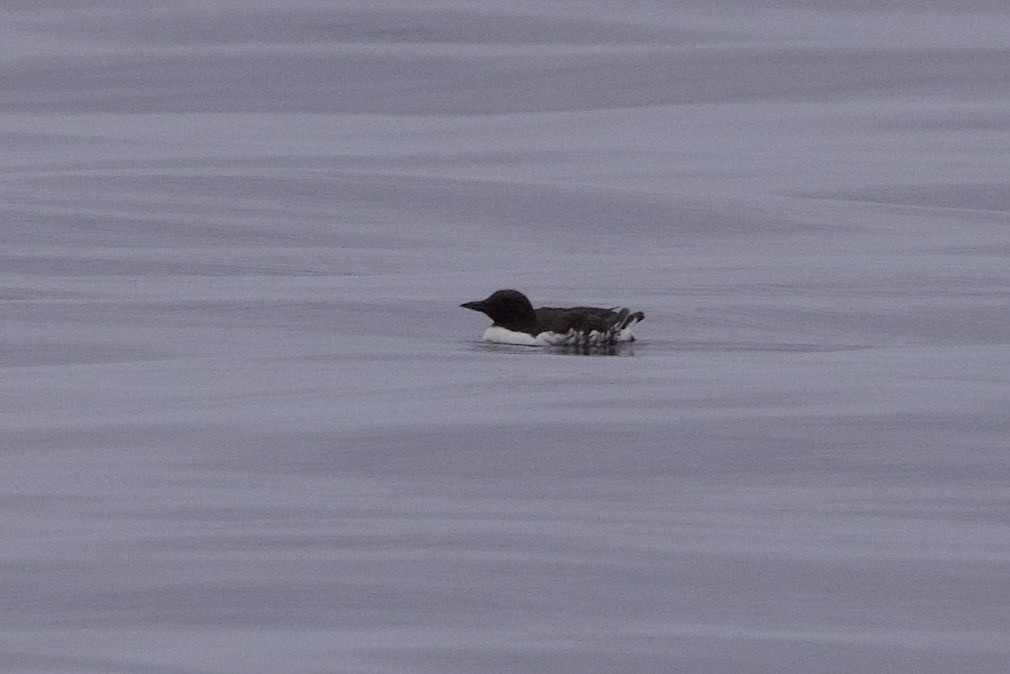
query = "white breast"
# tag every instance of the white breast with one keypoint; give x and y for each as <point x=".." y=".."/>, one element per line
<point x="500" y="335"/>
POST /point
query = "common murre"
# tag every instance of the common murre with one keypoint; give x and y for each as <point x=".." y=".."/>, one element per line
<point x="515" y="321"/>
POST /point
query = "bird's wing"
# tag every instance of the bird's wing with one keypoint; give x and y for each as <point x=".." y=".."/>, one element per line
<point x="583" y="321"/>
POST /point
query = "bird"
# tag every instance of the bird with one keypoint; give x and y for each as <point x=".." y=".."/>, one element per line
<point x="515" y="321"/>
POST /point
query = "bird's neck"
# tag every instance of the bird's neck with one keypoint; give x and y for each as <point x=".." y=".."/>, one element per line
<point x="526" y="323"/>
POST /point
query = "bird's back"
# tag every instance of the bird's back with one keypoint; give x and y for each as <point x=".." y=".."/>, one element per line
<point x="580" y="325"/>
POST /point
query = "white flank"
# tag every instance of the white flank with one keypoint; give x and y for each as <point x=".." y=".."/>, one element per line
<point x="500" y="335"/>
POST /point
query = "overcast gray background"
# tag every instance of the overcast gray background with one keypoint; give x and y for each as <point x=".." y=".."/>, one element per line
<point x="245" y="426"/>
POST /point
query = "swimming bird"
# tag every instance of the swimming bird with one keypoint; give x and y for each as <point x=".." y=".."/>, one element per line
<point x="515" y="321"/>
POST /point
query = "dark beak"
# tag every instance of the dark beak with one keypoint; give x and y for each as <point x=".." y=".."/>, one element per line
<point x="476" y="306"/>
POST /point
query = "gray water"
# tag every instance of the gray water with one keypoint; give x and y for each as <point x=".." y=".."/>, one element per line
<point x="246" y="427"/>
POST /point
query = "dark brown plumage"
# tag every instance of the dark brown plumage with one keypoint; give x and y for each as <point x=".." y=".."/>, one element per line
<point x="510" y="309"/>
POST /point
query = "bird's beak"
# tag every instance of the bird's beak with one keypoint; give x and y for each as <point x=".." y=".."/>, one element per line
<point x="476" y="306"/>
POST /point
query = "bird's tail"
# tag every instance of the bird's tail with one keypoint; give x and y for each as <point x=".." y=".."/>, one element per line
<point x="618" y="329"/>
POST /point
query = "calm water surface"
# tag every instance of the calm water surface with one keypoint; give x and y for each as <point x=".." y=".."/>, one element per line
<point x="247" y="426"/>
